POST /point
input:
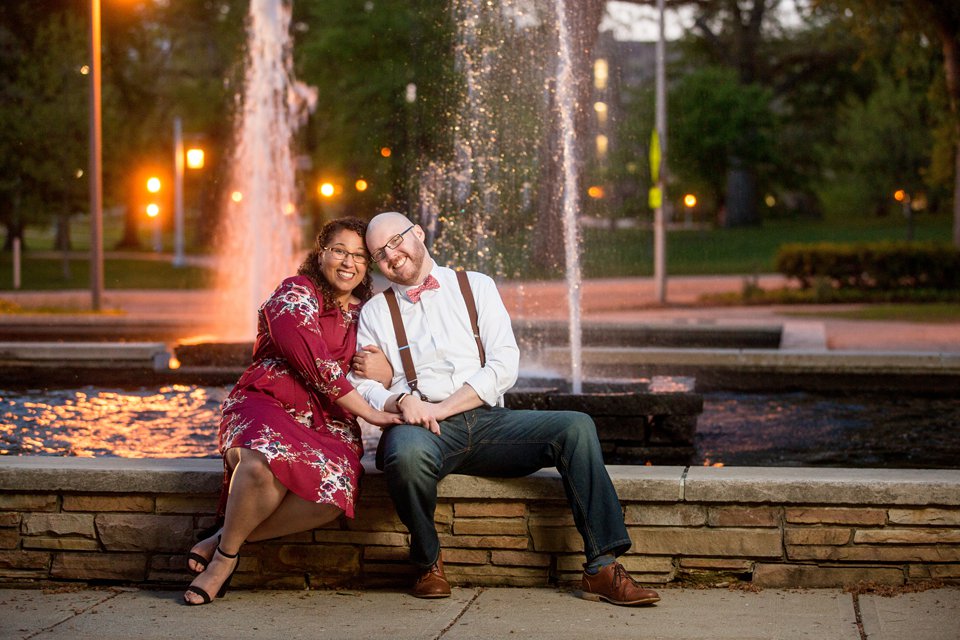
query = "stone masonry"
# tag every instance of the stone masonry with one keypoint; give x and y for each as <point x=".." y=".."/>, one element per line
<point x="132" y="521"/>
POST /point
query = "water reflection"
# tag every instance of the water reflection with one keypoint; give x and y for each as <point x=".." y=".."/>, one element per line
<point x="173" y="422"/>
<point x="786" y="429"/>
<point x="802" y="429"/>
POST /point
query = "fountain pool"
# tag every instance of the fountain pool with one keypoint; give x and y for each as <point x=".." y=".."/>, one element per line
<point x="743" y="429"/>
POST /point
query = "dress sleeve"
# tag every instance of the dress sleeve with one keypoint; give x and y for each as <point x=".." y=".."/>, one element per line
<point x="292" y="315"/>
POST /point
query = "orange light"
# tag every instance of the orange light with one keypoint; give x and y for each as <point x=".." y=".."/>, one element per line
<point x="153" y="210"/>
<point x="690" y="200"/>
<point x="326" y="189"/>
<point x="385" y="152"/>
<point x="153" y="184"/>
<point x="361" y="185"/>
<point x="899" y="195"/>
<point x="595" y="192"/>
<point x="290" y="209"/>
<point x="173" y="363"/>
<point x="195" y="158"/>
<point x="236" y="196"/>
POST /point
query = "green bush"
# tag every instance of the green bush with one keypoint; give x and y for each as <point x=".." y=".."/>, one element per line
<point x="878" y="266"/>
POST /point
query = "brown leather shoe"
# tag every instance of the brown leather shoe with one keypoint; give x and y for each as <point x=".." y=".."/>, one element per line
<point x="615" y="585"/>
<point x="432" y="583"/>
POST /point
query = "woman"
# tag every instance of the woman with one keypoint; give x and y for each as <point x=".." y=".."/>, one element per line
<point x="289" y="439"/>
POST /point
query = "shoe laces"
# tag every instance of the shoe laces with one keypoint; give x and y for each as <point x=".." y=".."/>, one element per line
<point x="620" y="573"/>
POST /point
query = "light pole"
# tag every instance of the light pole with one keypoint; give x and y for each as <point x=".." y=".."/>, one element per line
<point x="178" y="161"/>
<point x="660" y="213"/>
<point x="96" y="169"/>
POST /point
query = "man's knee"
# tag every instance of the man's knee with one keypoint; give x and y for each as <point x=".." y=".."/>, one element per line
<point x="578" y="425"/>
<point x="406" y="459"/>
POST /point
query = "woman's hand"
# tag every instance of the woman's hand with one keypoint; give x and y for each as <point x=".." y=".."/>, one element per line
<point x="383" y="419"/>
<point x="371" y="363"/>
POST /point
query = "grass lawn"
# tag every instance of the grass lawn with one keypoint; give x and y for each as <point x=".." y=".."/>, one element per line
<point x="629" y="252"/>
<point x="48" y="275"/>
<point x="935" y="312"/>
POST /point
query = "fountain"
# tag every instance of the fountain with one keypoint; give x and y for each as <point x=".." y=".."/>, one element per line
<point x="260" y="236"/>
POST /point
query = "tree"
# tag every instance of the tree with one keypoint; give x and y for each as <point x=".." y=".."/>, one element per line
<point x="43" y="130"/>
<point x="935" y="21"/>
<point x="362" y="57"/>
<point x="166" y="59"/>
<point x="713" y="118"/>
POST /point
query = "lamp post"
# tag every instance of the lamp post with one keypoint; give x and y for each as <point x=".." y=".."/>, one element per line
<point x="178" y="163"/>
<point x="660" y="212"/>
<point x="96" y="169"/>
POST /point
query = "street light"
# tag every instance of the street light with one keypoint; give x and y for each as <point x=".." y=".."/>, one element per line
<point x="689" y="201"/>
<point x="195" y="158"/>
<point x="901" y="196"/>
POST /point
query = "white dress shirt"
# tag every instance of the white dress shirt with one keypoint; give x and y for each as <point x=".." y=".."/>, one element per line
<point x="442" y="345"/>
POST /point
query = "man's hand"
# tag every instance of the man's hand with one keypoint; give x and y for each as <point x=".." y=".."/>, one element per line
<point x="425" y="414"/>
<point x="371" y="363"/>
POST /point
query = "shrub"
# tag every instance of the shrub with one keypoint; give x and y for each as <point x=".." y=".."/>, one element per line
<point x="879" y="266"/>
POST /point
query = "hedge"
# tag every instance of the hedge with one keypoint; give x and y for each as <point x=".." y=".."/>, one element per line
<point x="879" y="266"/>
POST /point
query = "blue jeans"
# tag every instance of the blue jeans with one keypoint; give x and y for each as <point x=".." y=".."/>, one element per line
<point x="498" y="442"/>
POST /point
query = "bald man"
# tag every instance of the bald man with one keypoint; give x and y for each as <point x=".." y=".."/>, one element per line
<point x="454" y="417"/>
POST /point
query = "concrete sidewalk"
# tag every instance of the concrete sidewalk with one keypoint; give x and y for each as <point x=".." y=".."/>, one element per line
<point x="690" y="614"/>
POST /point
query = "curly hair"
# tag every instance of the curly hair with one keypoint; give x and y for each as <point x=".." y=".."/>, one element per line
<point x="310" y="267"/>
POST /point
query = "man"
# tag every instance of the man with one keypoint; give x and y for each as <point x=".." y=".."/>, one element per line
<point x="454" y="416"/>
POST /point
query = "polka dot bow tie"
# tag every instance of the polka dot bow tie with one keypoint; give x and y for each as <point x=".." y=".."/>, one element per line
<point x="415" y="293"/>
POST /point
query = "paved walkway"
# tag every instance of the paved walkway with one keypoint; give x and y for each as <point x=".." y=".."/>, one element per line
<point x="688" y="614"/>
<point x="613" y="300"/>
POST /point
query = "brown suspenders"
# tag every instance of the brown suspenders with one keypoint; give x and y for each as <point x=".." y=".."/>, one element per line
<point x="409" y="371"/>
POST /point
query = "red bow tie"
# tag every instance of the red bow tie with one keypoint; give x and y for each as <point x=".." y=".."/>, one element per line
<point x="415" y="293"/>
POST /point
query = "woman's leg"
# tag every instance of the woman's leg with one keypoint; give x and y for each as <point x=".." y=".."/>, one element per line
<point x="254" y="494"/>
<point x="293" y="516"/>
<point x="259" y="508"/>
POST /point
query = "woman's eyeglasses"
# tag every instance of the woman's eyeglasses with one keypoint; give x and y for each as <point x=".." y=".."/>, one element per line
<point x="341" y="255"/>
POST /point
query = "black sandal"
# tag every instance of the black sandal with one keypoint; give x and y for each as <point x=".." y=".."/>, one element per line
<point x="199" y="559"/>
<point x="223" y="588"/>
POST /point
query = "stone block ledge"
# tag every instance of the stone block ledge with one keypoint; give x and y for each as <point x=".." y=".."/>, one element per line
<point x="133" y="521"/>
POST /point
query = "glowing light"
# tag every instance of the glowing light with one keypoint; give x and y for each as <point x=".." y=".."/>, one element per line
<point x="79" y="173"/>
<point x="770" y="200"/>
<point x="236" y="196"/>
<point x="326" y="189"/>
<point x="601" y="71"/>
<point x="601" y="109"/>
<point x="289" y="209"/>
<point x="361" y="185"/>
<point x="595" y="192"/>
<point x="195" y="158"/>
<point x="173" y="363"/>
<point x="153" y="184"/>
<point x="85" y="70"/>
<point x="153" y="210"/>
<point x="386" y="152"/>
<point x="690" y="200"/>
<point x="899" y="195"/>
<point x="602" y="145"/>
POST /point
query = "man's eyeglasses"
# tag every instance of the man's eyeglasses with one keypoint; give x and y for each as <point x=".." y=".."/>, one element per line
<point x="341" y="255"/>
<point x="392" y="243"/>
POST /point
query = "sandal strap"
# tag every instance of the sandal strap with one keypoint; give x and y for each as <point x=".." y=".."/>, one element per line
<point x="200" y="592"/>
<point x="227" y="555"/>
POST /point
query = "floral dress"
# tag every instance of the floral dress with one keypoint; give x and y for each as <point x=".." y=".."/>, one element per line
<point x="283" y="405"/>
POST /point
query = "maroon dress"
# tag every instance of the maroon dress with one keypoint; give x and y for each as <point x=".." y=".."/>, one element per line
<point x="283" y="405"/>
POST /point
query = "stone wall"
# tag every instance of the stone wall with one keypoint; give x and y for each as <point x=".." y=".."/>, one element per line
<point x="133" y="521"/>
